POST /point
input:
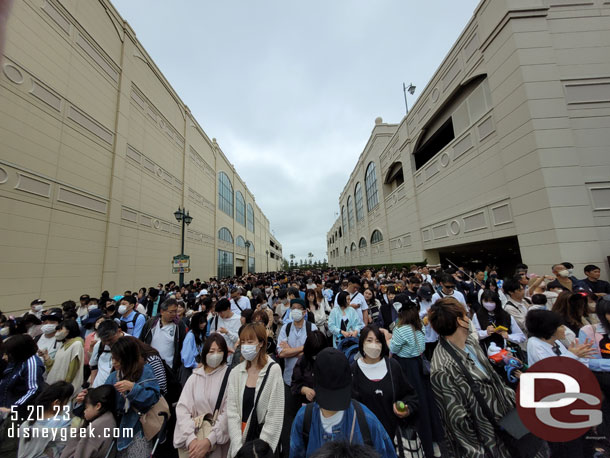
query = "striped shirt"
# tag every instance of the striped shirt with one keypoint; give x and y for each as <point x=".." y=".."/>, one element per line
<point x="406" y="342"/>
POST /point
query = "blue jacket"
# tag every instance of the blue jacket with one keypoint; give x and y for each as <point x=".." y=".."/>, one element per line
<point x="20" y="383"/>
<point x="190" y="350"/>
<point x="143" y="396"/>
<point x="318" y="437"/>
<point x="354" y="323"/>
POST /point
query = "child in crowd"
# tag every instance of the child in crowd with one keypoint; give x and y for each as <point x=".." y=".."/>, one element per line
<point x="45" y="432"/>
<point x="99" y="416"/>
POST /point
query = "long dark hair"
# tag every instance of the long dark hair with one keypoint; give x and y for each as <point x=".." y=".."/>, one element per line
<point x="601" y="309"/>
<point x="127" y="352"/>
<point x="315" y="298"/>
<point x="196" y="320"/>
<point x="59" y="391"/>
<point x="106" y="396"/>
<point x="342" y="299"/>
<point x="409" y="312"/>
<point x="19" y="348"/>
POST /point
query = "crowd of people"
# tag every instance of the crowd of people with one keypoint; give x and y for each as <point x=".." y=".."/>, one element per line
<point x="385" y="362"/>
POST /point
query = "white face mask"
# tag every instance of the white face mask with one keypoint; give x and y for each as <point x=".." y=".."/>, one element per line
<point x="91" y="307"/>
<point x="372" y="350"/>
<point x="397" y="306"/>
<point x="489" y="306"/>
<point x="564" y="273"/>
<point x="37" y="308"/>
<point x="296" y="314"/>
<point x="213" y="360"/>
<point x="48" y="328"/>
<point x="122" y="309"/>
<point x="249" y="352"/>
<point x="61" y="335"/>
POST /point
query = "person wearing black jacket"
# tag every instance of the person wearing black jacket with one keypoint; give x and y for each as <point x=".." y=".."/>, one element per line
<point x="159" y="332"/>
<point x="388" y="313"/>
<point x="302" y="374"/>
<point x="378" y="382"/>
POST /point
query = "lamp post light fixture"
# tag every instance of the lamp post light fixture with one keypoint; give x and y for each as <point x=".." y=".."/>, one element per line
<point x="248" y="244"/>
<point x="182" y="215"/>
<point x="410" y="90"/>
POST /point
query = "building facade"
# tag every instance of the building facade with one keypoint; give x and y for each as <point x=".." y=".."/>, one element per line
<point x="98" y="151"/>
<point x="505" y="155"/>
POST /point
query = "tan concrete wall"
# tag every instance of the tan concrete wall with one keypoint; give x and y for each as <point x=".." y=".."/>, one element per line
<point x="97" y="152"/>
<point x="534" y="161"/>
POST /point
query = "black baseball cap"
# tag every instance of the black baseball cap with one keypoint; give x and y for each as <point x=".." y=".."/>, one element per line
<point x="332" y="380"/>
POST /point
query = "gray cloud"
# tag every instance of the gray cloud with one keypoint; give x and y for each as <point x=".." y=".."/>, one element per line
<point x="291" y="89"/>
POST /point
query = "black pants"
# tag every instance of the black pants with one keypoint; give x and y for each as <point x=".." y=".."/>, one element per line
<point x="291" y="407"/>
<point x="429" y="351"/>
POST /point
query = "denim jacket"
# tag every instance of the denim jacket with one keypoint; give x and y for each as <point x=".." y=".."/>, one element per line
<point x="354" y="322"/>
<point x="318" y="437"/>
<point x="144" y="394"/>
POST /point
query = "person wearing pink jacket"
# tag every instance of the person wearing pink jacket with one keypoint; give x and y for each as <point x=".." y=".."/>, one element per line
<point x="201" y="395"/>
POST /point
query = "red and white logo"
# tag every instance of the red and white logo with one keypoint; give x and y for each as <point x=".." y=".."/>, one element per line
<point x="559" y="399"/>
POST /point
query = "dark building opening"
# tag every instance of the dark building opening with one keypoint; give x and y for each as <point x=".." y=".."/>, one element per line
<point x="502" y="253"/>
<point x="437" y="141"/>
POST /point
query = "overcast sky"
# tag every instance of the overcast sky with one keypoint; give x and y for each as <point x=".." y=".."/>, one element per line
<point x="291" y="89"/>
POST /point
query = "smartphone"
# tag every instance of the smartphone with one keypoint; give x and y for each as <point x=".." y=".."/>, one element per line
<point x="501" y="328"/>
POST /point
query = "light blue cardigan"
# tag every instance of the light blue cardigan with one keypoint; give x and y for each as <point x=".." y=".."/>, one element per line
<point x="334" y="322"/>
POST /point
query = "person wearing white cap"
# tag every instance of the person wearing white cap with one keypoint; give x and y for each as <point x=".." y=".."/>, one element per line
<point x="36" y="308"/>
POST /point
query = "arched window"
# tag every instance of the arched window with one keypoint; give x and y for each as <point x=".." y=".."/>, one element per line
<point x="359" y="203"/>
<point x="350" y="212"/>
<point x="240" y="208"/>
<point x="362" y="243"/>
<point x="240" y="242"/>
<point x="353" y="247"/>
<point x="225" y="234"/>
<point x="343" y="220"/>
<point x="376" y="237"/>
<point x="345" y="251"/>
<point x="251" y="246"/>
<point x="225" y="194"/>
<point x="250" y="218"/>
<point x="370" y="181"/>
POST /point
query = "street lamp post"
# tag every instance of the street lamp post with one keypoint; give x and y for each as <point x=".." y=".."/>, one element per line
<point x="248" y="256"/>
<point x="267" y="253"/>
<point x="410" y="90"/>
<point x="182" y="215"/>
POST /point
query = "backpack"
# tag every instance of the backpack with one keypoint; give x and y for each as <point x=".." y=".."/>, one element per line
<point x="362" y="424"/>
<point x="349" y="347"/>
<point x="123" y="325"/>
<point x="307" y="328"/>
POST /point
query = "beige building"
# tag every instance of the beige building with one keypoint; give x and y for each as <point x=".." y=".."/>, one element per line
<point x="97" y="152"/>
<point x="504" y="157"/>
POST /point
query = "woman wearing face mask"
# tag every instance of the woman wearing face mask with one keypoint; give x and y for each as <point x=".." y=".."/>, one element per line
<point x="491" y="284"/>
<point x="68" y="364"/>
<point x="407" y="344"/>
<point x="199" y="397"/>
<point x="378" y="382"/>
<point x="255" y="403"/>
<point x="387" y="311"/>
<point x="489" y="317"/>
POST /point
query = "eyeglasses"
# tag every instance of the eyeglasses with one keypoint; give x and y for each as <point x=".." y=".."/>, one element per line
<point x="449" y="286"/>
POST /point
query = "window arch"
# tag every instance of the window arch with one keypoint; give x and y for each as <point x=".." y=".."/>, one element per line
<point x="350" y="212"/>
<point x="250" y="218"/>
<point x="343" y="218"/>
<point x="370" y="181"/>
<point x="362" y="243"/>
<point x="376" y="237"/>
<point x="225" y="234"/>
<point x="353" y="247"/>
<point x="359" y="203"/>
<point x="225" y="194"/>
<point x="345" y="251"/>
<point x="251" y="246"/>
<point x="240" y="242"/>
<point x="240" y="208"/>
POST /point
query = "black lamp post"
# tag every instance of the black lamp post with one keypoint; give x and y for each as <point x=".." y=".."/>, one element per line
<point x="182" y="215"/>
<point x="267" y="253"/>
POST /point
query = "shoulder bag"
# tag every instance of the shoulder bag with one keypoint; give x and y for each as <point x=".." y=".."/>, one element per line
<point x="205" y="423"/>
<point x="510" y="429"/>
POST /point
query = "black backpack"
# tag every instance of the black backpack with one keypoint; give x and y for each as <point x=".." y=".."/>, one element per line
<point x="362" y="424"/>
<point x="307" y="328"/>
